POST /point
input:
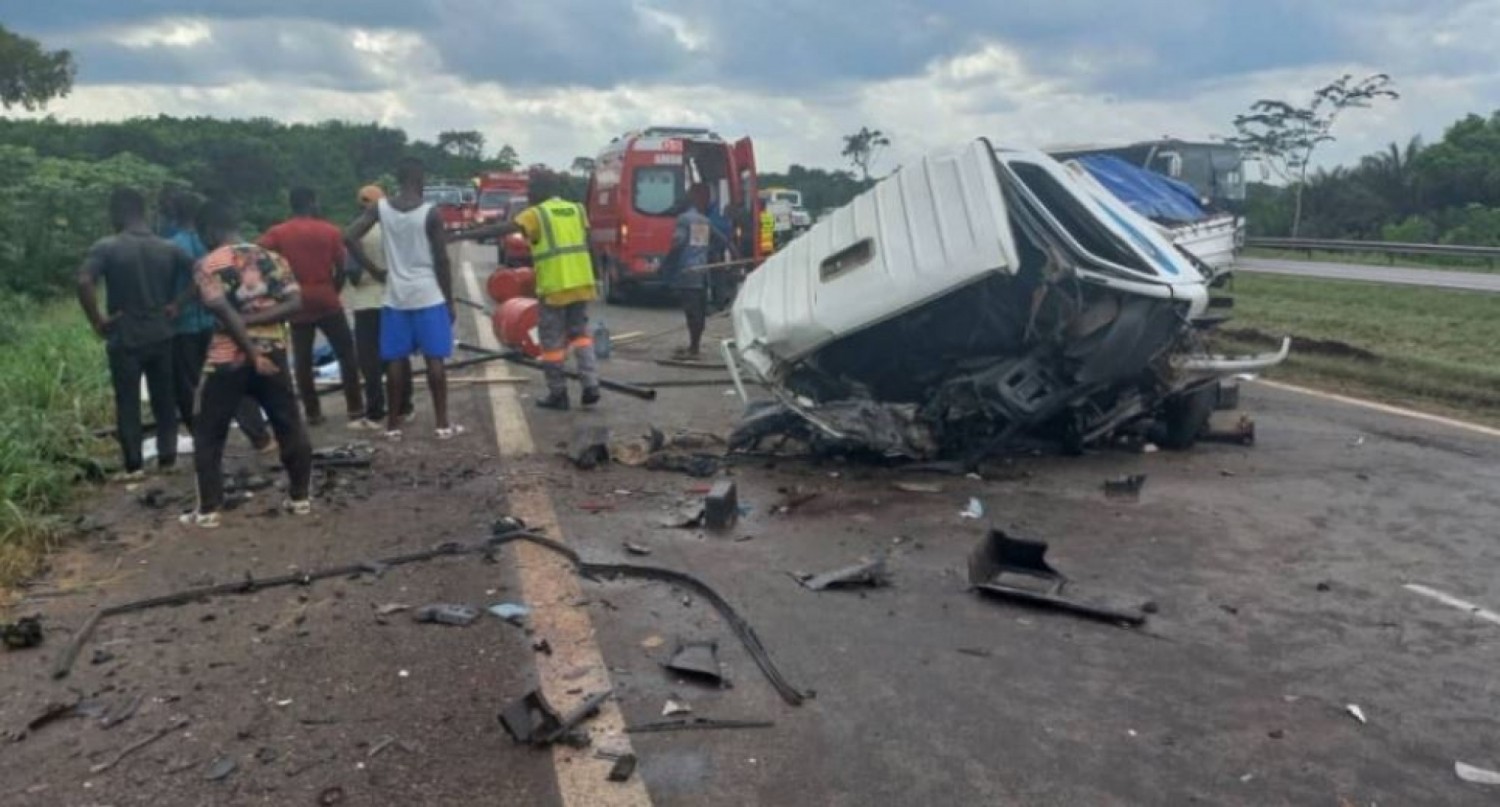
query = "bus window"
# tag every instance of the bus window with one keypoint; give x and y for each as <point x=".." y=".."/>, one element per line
<point x="657" y="189"/>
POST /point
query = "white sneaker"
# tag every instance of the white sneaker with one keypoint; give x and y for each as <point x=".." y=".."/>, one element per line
<point x="364" y="425"/>
<point x="203" y="521"/>
<point x="297" y="507"/>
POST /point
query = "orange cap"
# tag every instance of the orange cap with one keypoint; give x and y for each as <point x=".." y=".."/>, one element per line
<point x="370" y="194"/>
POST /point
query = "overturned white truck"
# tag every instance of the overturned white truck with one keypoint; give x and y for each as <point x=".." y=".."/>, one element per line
<point x="973" y="300"/>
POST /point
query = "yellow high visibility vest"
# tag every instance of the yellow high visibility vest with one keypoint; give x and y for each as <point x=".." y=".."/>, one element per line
<point x="561" y="257"/>
<point x="767" y="232"/>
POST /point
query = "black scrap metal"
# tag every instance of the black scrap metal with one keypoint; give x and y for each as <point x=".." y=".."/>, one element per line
<point x="870" y="573"/>
<point x="24" y="633"/>
<point x="697" y="723"/>
<point x="1001" y="554"/>
<point x="505" y="530"/>
<point x="1125" y="487"/>
<point x="699" y="660"/>
<point x="517" y="357"/>
<point x="531" y="719"/>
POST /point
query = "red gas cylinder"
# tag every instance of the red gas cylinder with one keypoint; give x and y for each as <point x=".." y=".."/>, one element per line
<point x="508" y="284"/>
<point x="515" y="322"/>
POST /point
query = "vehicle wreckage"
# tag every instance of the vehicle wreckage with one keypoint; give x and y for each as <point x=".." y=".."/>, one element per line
<point x="973" y="300"/>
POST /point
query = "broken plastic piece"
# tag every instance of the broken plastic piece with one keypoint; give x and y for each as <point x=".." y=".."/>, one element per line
<point x="637" y="549"/>
<point x="531" y="719"/>
<point x="917" y="487"/>
<point x="675" y="707"/>
<point x="446" y="614"/>
<point x="1125" y="487"/>
<point x="698" y="660"/>
<point x="1356" y="712"/>
<point x="975" y="510"/>
<point x="220" y="770"/>
<point x="721" y="507"/>
<point x="512" y="612"/>
<point x="865" y="573"/>
<point x="623" y="768"/>
<point x="1478" y="776"/>
<point x="1000" y="554"/>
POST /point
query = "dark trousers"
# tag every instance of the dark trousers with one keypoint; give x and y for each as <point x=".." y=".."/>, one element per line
<point x="220" y="396"/>
<point x="695" y="310"/>
<point x="126" y="366"/>
<point x="371" y="368"/>
<point x="336" y="330"/>
<point x="188" y="353"/>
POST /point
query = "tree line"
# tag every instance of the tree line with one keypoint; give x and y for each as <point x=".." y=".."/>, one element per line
<point x="1445" y="192"/>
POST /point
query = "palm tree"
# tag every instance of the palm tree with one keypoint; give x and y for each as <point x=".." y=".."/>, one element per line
<point x="1391" y="173"/>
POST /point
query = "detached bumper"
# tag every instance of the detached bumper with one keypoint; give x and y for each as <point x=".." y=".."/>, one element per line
<point x="1229" y="365"/>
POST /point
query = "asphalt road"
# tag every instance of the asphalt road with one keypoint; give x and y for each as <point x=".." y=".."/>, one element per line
<point x="1276" y="575"/>
<point x="1370" y="273"/>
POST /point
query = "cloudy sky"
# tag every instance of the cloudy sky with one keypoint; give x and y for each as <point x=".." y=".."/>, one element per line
<point x="558" y="79"/>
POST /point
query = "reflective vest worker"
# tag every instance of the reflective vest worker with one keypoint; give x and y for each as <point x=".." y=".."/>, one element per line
<point x="558" y="233"/>
<point x="767" y="232"/>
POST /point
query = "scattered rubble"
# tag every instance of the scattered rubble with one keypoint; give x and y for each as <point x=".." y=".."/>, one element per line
<point x="870" y="573"/>
<point x="693" y="723"/>
<point x="721" y="507"/>
<point x="1000" y="555"/>
<point x="699" y="661"/>
<point x="531" y="719"/>
<point x="513" y="612"/>
<point x="1125" y="487"/>
<point x="1478" y="776"/>
<point x="444" y="613"/>
<point x="23" y="634"/>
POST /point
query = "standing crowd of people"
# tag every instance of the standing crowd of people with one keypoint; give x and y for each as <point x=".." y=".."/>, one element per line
<point x="222" y="329"/>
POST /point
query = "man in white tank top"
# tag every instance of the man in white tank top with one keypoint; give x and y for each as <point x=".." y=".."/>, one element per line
<point x="417" y="312"/>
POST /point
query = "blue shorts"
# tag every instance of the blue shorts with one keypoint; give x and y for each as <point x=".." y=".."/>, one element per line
<point x="424" y="330"/>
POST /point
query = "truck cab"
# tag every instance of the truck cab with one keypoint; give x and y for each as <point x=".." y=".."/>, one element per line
<point x="454" y="204"/>
<point x="639" y="186"/>
<point x="499" y="191"/>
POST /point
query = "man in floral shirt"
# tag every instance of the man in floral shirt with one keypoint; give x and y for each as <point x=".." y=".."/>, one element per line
<point x="261" y="293"/>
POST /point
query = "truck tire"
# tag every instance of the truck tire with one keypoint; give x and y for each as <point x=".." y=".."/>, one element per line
<point x="612" y="290"/>
<point x="1184" y="417"/>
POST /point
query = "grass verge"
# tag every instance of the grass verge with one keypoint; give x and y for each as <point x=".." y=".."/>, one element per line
<point x="1431" y="349"/>
<point x="54" y="391"/>
<point x="1377" y="259"/>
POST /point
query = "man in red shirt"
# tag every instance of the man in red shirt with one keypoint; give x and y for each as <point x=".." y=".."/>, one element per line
<point x="315" y="250"/>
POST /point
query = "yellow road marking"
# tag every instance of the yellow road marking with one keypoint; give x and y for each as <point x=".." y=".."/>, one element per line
<point x="550" y="586"/>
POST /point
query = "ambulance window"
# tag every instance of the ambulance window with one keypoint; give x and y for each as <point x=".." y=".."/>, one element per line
<point x="657" y="189"/>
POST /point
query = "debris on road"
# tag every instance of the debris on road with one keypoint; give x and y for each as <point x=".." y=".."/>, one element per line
<point x="999" y="555"/>
<point x="795" y="498"/>
<point x="220" y="769"/>
<point x="176" y="725"/>
<point x="121" y="711"/>
<point x="685" y="517"/>
<point x="1125" y="487"/>
<point x="1478" y="776"/>
<point x="513" y="612"/>
<point x="721" y="507"/>
<point x="932" y="340"/>
<point x="1242" y="433"/>
<point x="636" y="549"/>
<point x="976" y="652"/>
<point x="697" y="723"/>
<point x="917" y="487"/>
<point x="531" y="719"/>
<point x="331" y="796"/>
<point x="589" y="448"/>
<point x="380" y="745"/>
<point x="698" y="660"/>
<point x="444" y="613"/>
<point x="351" y="455"/>
<point x="1357" y="713"/>
<point x="391" y="608"/>
<point x="623" y="768"/>
<point x="974" y="510"/>
<point x="697" y="465"/>
<point x="23" y="634"/>
<point x="675" y="707"/>
<point x="867" y="572"/>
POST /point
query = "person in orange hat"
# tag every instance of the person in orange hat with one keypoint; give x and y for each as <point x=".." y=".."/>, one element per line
<point x="364" y="294"/>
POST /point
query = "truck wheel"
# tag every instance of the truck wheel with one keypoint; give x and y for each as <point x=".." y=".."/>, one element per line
<point x="1184" y="417"/>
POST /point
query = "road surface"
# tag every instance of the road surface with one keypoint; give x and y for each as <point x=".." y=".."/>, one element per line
<point x="1339" y="562"/>
<point x="1406" y="276"/>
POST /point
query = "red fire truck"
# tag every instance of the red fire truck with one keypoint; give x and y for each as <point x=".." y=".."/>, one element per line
<point x="639" y="186"/>
<point x="501" y="195"/>
<point x="454" y="203"/>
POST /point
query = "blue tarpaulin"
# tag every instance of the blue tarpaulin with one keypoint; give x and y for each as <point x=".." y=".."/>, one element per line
<point x="1148" y="193"/>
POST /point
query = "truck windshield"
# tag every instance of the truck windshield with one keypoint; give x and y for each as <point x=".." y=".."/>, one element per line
<point x="443" y="196"/>
<point x="658" y="189"/>
<point x="494" y="200"/>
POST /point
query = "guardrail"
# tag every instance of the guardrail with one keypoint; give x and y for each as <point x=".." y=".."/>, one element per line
<point x="1390" y="249"/>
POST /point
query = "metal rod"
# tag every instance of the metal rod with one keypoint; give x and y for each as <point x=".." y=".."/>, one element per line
<point x="516" y="357"/>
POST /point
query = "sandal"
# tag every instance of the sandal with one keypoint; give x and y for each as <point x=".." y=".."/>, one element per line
<point x="450" y="432"/>
<point x="297" y="507"/>
<point x="203" y="521"/>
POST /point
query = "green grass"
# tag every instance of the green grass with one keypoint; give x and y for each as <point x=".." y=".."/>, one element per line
<point x="1430" y="348"/>
<point x="1378" y="259"/>
<point x="54" y="390"/>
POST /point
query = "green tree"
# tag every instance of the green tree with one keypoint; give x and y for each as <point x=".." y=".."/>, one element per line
<point x="466" y="145"/>
<point x="863" y="147"/>
<point x="29" y="75"/>
<point x="583" y="165"/>
<point x="507" y="159"/>
<point x="1284" y="136"/>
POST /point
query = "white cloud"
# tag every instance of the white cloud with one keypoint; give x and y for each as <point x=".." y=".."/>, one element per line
<point x="168" y="33"/>
<point x="687" y="36"/>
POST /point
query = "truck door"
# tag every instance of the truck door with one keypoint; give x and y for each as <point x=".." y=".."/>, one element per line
<point x="747" y="223"/>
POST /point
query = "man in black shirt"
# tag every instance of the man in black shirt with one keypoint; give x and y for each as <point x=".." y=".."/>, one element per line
<point x="138" y="270"/>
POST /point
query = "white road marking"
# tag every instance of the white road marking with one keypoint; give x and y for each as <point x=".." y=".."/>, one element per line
<point x="1448" y="599"/>
<point x="550" y="586"/>
<point x="1385" y="408"/>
